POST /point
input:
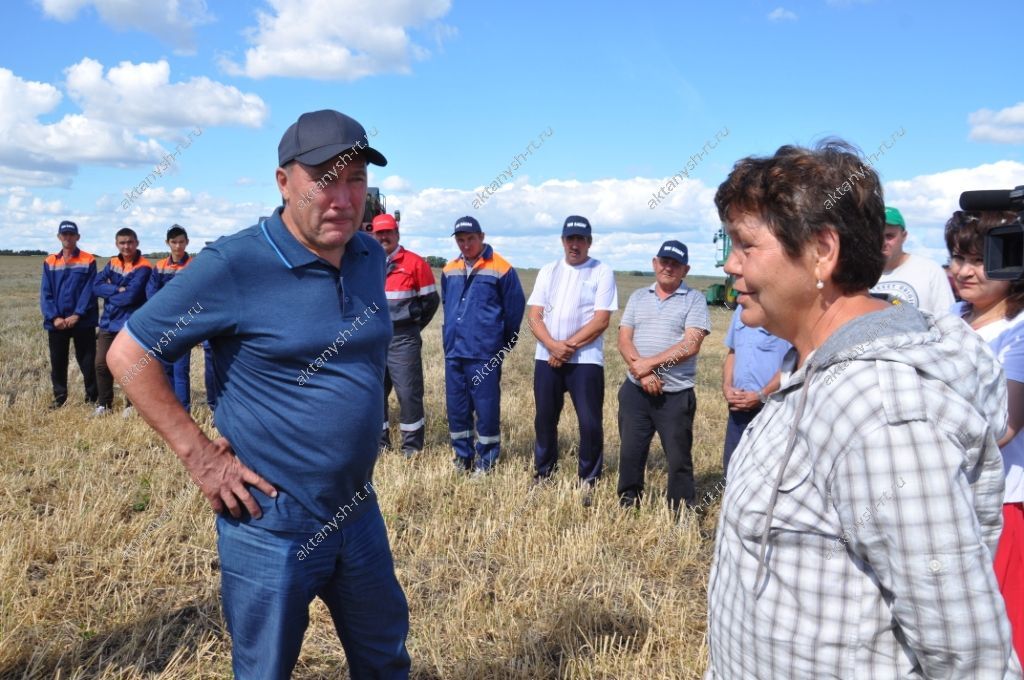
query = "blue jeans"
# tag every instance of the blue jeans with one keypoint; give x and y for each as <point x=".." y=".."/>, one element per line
<point x="210" y="377"/>
<point x="177" y="375"/>
<point x="266" y="590"/>
<point x="734" y="428"/>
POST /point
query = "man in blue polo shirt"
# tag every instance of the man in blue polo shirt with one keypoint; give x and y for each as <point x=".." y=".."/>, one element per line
<point x="660" y="333"/>
<point x="749" y="375"/>
<point x="295" y="311"/>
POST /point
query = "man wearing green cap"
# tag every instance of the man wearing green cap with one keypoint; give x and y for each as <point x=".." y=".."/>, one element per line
<point x="913" y="279"/>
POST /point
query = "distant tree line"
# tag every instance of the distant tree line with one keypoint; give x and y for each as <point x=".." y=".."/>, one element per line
<point x="435" y="261"/>
<point x="8" y="251"/>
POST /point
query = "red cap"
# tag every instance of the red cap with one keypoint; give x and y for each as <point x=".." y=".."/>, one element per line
<point x="383" y="223"/>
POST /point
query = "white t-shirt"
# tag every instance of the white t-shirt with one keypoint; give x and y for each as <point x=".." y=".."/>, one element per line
<point x="1006" y="338"/>
<point x="920" y="282"/>
<point x="570" y="295"/>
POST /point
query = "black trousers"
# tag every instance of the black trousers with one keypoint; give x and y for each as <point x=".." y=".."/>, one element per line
<point x="585" y="385"/>
<point x="104" y="378"/>
<point x="85" y="355"/>
<point x="671" y="416"/>
<point x="404" y="373"/>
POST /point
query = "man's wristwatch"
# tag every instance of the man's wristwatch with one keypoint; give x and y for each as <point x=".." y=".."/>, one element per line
<point x="762" y="396"/>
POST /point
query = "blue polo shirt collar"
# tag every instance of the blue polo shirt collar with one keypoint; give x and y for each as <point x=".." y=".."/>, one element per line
<point x="75" y="254"/>
<point x="292" y="253"/>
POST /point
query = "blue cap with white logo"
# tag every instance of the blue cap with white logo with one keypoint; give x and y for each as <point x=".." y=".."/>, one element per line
<point x="576" y="226"/>
<point x="675" y="250"/>
<point x="467" y="225"/>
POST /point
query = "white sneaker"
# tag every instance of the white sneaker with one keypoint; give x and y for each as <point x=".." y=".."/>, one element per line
<point x="128" y="412"/>
<point x="100" y="411"/>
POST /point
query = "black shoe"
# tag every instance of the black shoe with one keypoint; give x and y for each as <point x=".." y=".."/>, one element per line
<point x="628" y="501"/>
<point x="57" y="403"/>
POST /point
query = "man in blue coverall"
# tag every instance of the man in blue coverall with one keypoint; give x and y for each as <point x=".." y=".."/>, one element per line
<point x="163" y="273"/>
<point x="483" y="308"/>
<point x="122" y="287"/>
<point x="70" y="313"/>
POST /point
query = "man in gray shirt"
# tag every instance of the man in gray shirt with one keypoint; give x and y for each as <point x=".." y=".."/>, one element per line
<point x="659" y="336"/>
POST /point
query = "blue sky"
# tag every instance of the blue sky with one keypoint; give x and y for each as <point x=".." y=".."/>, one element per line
<point x="93" y="93"/>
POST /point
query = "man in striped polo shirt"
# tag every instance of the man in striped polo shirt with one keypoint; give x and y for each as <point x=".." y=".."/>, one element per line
<point x="412" y="302"/>
<point x="164" y="272"/>
<point x="70" y="313"/>
<point x="659" y="336"/>
<point x="569" y="310"/>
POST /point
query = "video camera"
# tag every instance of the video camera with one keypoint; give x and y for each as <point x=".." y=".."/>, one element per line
<point x="1004" y="246"/>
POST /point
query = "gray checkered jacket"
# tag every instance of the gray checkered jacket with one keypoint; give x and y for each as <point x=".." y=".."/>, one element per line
<point x="862" y="512"/>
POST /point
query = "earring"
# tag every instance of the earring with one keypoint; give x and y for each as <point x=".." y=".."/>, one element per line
<point x="819" y="285"/>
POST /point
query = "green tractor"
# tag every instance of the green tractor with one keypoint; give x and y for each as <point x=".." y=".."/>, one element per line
<point x="722" y="293"/>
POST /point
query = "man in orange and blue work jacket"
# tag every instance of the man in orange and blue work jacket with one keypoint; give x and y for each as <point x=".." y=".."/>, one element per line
<point x="69" y="312"/>
<point x="483" y="307"/>
<point x="122" y="285"/>
<point x="164" y="272"/>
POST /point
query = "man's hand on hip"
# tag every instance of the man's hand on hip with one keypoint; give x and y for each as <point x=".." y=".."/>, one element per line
<point x="223" y="479"/>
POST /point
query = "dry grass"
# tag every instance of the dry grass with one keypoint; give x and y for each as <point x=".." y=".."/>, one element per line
<point x="108" y="564"/>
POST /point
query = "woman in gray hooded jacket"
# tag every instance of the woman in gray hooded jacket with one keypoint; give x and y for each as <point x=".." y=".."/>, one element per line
<point x="863" y="504"/>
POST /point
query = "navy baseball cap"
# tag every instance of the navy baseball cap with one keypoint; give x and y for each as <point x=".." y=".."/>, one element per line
<point x="675" y="250"/>
<point x="67" y="227"/>
<point x="320" y="135"/>
<point x="576" y="226"/>
<point x="467" y="225"/>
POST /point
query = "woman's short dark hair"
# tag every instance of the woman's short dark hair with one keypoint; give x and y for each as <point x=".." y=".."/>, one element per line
<point x="800" y="192"/>
<point x="965" y="235"/>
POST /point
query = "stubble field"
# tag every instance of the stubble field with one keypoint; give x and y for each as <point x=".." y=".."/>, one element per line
<point x="108" y="563"/>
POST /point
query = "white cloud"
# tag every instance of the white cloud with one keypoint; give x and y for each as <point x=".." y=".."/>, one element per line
<point x="927" y="201"/>
<point x="37" y="151"/>
<point x="524" y="221"/>
<point x="338" y="39"/>
<point x="170" y="20"/>
<point x="782" y="14"/>
<point x="143" y="97"/>
<point x="124" y="113"/>
<point x="1005" y="126"/>
<point x="29" y="222"/>
<point x="395" y="183"/>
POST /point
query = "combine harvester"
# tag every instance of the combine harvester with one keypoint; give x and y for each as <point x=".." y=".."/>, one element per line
<point x="722" y="293"/>
<point x="376" y="204"/>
